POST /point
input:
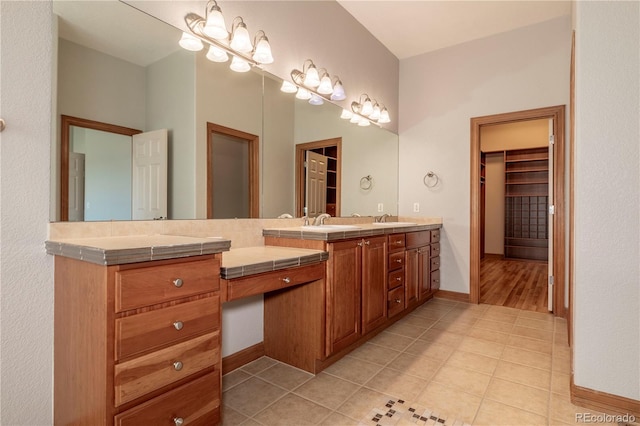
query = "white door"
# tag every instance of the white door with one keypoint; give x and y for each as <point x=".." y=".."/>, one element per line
<point x="550" y="285"/>
<point x="316" y="184"/>
<point x="76" y="187"/>
<point x="149" y="175"/>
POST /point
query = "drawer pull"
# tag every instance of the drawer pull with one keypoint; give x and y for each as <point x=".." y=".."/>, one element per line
<point x="178" y="282"/>
<point x="286" y="280"/>
<point x="398" y="301"/>
<point x="178" y="421"/>
<point x="367" y="242"/>
<point x="398" y="279"/>
<point x="177" y="366"/>
<point x="178" y="325"/>
<point x="398" y="260"/>
<point x="398" y="242"/>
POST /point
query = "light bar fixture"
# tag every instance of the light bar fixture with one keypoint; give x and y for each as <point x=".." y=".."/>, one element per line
<point x="369" y="110"/>
<point x="314" y="85"/>
<point x="212" y="30"/>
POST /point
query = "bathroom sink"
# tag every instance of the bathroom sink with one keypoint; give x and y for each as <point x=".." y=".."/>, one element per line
<point x="394" y="223"/>
<point x="328" y="228"/>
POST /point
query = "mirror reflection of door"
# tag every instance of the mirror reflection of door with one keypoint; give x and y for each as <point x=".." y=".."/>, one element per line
<point x="232" y="173"/>
<point x="331" y="149"/>
<point x="316" y="184"/>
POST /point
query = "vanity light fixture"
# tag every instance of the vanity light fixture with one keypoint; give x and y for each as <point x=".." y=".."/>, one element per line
<point x="314" y="84"/>
<point x="369" y="110"/>
<point x="288" y="87"/>
<point x="338" y="91"/>
<point x="315" y="100"/>
<point x="237" y="43"/>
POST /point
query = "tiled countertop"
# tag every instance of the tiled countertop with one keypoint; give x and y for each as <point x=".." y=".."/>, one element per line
<point x="254" y="260"/>
<point x="132" y="249"/>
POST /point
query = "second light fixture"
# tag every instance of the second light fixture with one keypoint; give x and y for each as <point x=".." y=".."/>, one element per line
<point x="314" y="85"/>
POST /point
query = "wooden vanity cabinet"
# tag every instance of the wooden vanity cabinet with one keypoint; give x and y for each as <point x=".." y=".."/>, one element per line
<point x="418" y="266"/>
<point x="396" y="296"/>
<point x="374" y="283"/>
<point x="137" y="343"/>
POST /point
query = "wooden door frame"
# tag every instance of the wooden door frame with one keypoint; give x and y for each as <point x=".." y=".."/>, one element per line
<point x="66" y="121"/>
<point x="557" y="113"/>
<point x="254" y="168"/>
<point x="300" y="175"/>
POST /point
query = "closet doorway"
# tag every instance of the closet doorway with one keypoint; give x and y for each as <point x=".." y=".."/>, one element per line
<point x="518" y="191"/>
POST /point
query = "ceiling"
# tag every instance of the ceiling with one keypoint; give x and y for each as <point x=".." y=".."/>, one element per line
<point x="410" y="28"/>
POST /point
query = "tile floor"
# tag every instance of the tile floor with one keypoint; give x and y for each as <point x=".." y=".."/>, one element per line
<point x="456" y="362"/>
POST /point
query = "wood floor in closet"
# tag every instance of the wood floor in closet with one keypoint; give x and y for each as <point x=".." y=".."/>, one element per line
<point x="520" y="284"/>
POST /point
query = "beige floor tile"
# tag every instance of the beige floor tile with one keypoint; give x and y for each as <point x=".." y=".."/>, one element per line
<point x="429" y="349"/>
<point x="492" y="413"/>
<point x="374" y="353"/>
<point x="489" y="335"/>
<point x="400" y="385"/>
<point x="502" y="316"/>
<point x="560" y="384"/>
<point x="504" y="327"/>
<point x="532" y="333"/>
<point x="337" y="419"/>
<point x="450" y="402"/>
<point x="393" y="341"/>
<point x="231" y="417"/>
<point x="458" y="318"/>
<point x="233" y="378"/>
<point x="526" y="357"/>
<point x="535" y="323"/>
<point x="561" y="409"/>
<point x="353" y="369"/>
<point x="248" y="422"/>
<point x="481" y="347"/>
<point x="414" y="365"/>
<point x="469" y="381"/>
<point x="326" y="390"/>
<point x="518" y="396"/>
<point x="363" y="401"/>
<point x="561" y="351"/>
<point x="260" y="364"/>
<point x="441" y="336"/>
<point x="252" y="396"/>
<point x="285" y="376"/>
<point x="452" y="327"/>
<point x="561" y="365"/>
<point x="419" y="321"/>
<point x="530" y="344"/>
<point x="405" y="329"/>
<point x="472" y="361"/>
<point x="522" y="374"/>
<point x="538" y="316"/>
<point x="292" y="410"/>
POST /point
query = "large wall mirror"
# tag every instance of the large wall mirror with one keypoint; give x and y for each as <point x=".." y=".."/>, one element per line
<point x="120" y="67"/>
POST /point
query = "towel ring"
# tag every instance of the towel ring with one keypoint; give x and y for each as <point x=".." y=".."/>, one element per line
<point x="428" y="179"/>
<point x="366" y="182"/>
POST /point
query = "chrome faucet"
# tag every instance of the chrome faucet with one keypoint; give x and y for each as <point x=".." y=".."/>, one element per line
<point x="383" y="218"/>
<point x="306" y="220"/>
<point x="319" y="220"/>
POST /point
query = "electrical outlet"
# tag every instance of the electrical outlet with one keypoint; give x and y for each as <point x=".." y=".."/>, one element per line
<point x="416" y="207"/>
<point x="380" y="207"/>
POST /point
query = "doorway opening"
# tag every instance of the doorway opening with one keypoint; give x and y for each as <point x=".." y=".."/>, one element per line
<point x="326" y="200"/>
<point x="233" y="182"/>
<point x="555" y="220"/>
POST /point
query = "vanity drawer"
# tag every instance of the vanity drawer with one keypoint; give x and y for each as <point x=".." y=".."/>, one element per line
<point x="435" y="250"/>
<point x="396" y="242"/>
<point x="435" y="235"/>
<point x="196" y="403"/>
<point x="435" y="263"/>
<point x="150" y="330"/>
<point x="435" y="280"/>
<point x="139" y="376"/>
<point x="238" y="288"/>
<point x="396" y="278"/>
<point x="396" y="260"/>
<point x="418" y="239"/>
<point x="395" y="301"/>
<point x="138" y="287"/>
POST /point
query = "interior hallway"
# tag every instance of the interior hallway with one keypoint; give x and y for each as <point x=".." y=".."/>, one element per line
<point x="457" y="362"/>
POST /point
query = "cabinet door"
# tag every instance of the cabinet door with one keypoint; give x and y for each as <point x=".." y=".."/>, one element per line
<point x="411" y="278"/>
<point x="374" y="283"/>
<point x="343" y="294"/>
<point x="424" y="272"/>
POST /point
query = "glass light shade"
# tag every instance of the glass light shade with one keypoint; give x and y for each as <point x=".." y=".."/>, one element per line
<point x="338" y="92"/>
<point x="240" y="39"/>
<point x="303" y="94"/>
<point x="376" y="112"/>
<point x="215" y="54"/>
<point x="346" y="114"/>
<point x="363" y="122"/>
<point x="239" y="65"/>
<point x="262" y="55"/>
<point x="312" y="79"/>
<point x="288" y="87"/>
<point x="355" y="119"/>
<point x="316" y="100"/>
<point x="367" y="107"/>
<point x="215" y="26"/>
<point x="189" y="42"/>
<point x="384" y="116"/>
<point x="325" y="87"/>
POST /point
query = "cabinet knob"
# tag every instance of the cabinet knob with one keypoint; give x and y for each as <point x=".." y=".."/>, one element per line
<point x="178" y="421"/>
<point x="398" y="243"/>
<point x="177" y="366"/>
<point x="367" y="242"/>
<point x="178" y="325"/>
<point x="360" y="244"/>
<point x="398" y="260"/>
<point x="286" y="280"/>
<point x="398" y="279"/>
<point x="398" y="301"/>
<point x="178" y="282"/>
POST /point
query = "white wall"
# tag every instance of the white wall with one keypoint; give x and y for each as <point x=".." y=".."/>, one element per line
<point x="607" y="198"/>
<point x="26" y="272"/>
<point x="441" y="91"/>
